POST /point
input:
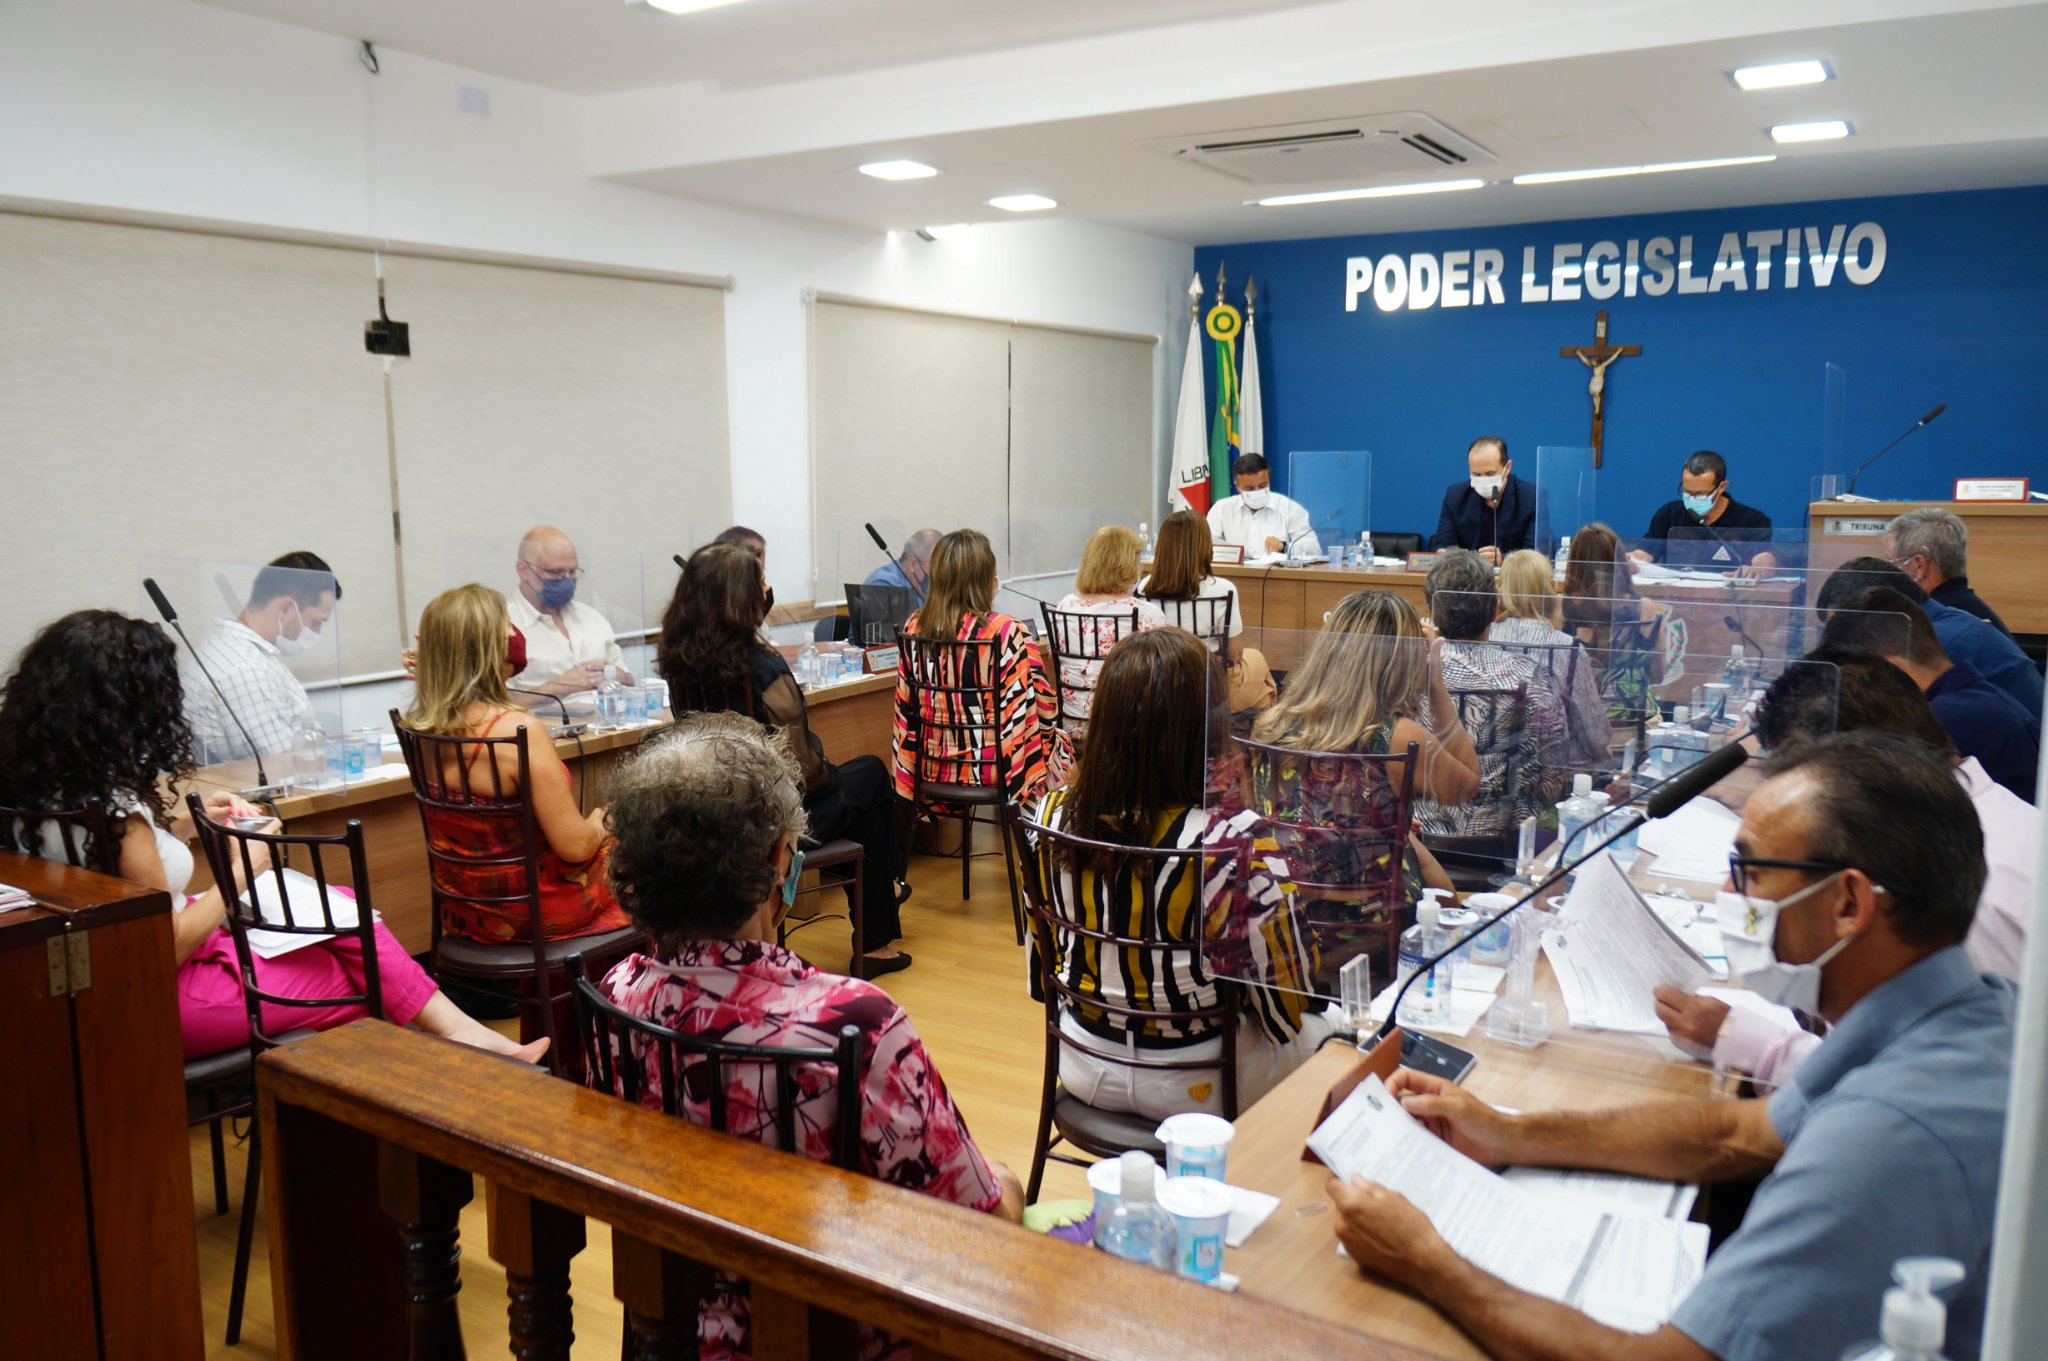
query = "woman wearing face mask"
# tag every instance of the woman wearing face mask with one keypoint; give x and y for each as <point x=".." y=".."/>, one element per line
<point x="467" y="646"/>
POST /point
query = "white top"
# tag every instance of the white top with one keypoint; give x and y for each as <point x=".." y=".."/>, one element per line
<point x="1182" y="615"/>
<point x="265" y="695"/>
<point x="175" y="854"/>
<point x="1232" y="521"/>
<point x="1078" y="677"/>
<point x="549" y="650"/>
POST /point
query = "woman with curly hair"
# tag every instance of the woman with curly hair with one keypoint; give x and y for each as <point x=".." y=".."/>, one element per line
<point x="94" y="709"/>
<point x="710" y="643"/>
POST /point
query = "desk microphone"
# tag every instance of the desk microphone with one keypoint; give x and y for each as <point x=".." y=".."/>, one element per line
<point x="568" y="729"/>
<point x="680" y="564"/>
<point x="1663" y="801"/>
<point x="1735" y="627"/>
<point x="170" y="616"/>
<point x="1888" y="448"/>
<point x="1321" y="524"/>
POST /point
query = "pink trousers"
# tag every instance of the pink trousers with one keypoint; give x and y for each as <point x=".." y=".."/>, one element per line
<point x="213" y="1017"/>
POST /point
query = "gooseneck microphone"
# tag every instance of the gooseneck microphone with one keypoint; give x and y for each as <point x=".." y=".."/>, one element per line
<point x="680" y="564"/>
<point x="1889" y="447"/>
<point x="1665" y="800"/>
<point x="170" y="616"/>
<point x="1735" y="627"/>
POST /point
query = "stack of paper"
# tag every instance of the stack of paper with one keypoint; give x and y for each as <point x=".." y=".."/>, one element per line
<point x="1614" y="951"/>
<point x="1693" y="843"/>
<point x="12" y="898"/>
<point x="300" y="907"/>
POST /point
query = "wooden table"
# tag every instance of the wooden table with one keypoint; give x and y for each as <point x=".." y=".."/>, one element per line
<point x="852" y="718"/>
<point x="97" y="1199"/>
<point x="1283" y="607"/>
<point x="2006" y="538"/>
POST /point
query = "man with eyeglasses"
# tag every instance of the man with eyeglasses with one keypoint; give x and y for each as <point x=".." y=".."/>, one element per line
<point x="1706" y="527"/>
<point x="568" y="644"/>
<point x="1885" y="1145"/>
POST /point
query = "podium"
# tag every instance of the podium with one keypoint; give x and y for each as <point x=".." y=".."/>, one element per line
<point x="2006" y="542"/>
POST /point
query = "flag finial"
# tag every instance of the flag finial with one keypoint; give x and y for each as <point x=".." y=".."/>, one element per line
<point x="1251" y="293"/>
<point x="1219" y="281"/>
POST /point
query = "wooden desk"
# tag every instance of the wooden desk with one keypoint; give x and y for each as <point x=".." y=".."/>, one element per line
<point x="1775" y="614"/>
<point x="852" y="718"/>
<point x="97" y="1199"/>
<point x="2006" y="541"/>
<point x="1283" y="607"/>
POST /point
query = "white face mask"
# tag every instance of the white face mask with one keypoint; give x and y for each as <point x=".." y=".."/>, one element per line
<point x="1255" y="500"/>
<point x="1488" y="487"/>
<point x="1749" y="932"/>
<point x="308" y="639"/>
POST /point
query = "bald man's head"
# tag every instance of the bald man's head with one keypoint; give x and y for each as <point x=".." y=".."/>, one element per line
<point x="547" y="568"/>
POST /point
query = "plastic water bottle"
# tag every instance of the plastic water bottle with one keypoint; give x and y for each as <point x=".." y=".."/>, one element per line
<point x="1139" y="1230"/>
<point x="309" y="752"/>
<point x="807" y="665"/>
<point x="610" y="703"/>
<point x="1144" y="539"/>
<point x="1913" y="1321"/>
<point x="1365" y="551"/>
<point x="1564" y="557"/>
<point x="1582" y="809"/>
<point x="1429" y="1001"/>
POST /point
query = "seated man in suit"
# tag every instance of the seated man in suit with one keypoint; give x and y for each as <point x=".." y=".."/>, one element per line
<point x="1492" y="512"/>
<point x="1705" y="526"/>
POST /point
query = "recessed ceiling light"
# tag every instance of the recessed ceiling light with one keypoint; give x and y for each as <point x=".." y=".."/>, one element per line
<point x="679" y="6"/>
<point x="1377" y="191"/>
<point x="1781" y="75"/>
<point x="1826" y="131"/>
<point x="941" y="232"/>
<point x="1023" y="203"/>
<point x="1664" y="167"/>
<point x="898" y="170"/>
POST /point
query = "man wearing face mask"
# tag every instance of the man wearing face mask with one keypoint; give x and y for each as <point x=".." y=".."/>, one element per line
<point x="290" y="601"/>
<point x="1705" y="526"/>
<point x="568" y="644"/>
<point x="1260" y="518"/>
<point x="1886" y="1145"/>
<point x="1493" y="512"/>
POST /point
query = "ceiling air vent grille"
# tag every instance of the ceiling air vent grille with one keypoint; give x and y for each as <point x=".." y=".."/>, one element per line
<point x="1341" y="150"/>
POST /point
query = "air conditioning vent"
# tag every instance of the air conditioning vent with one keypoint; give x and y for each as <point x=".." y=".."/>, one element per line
<point x="1352" y="151"/>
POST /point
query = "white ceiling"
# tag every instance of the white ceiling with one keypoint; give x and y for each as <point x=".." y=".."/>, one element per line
<point x="773" y="104"/>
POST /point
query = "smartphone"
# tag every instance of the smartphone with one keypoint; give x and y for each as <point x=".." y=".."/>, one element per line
<point x="1426" y="1055"/>
<point x="253" y="824"/>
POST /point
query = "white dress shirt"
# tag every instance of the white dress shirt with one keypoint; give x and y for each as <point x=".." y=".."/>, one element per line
<point x="1232" y="521"/>
<point x="264" y="694"/>
<point x="550" y="651"/>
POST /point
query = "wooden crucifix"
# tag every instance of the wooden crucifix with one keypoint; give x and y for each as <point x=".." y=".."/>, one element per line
<point x="1597" y="357"/>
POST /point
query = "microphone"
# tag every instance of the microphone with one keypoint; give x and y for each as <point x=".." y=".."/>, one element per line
<point x="1323" y="523"/>
<point x="1665" y="800"/>
<point x="1888" y="448"/>
<point x="880" y="543"/>
<point x="170" y="616"/>
<point x="1735" y="627"/>
<point x="568" y="729"/>
<point x="680" y="564"/>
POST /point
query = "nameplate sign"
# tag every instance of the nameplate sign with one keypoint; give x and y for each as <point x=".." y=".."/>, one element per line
<point x="1231" y="553"/>
<point x="1421" y="562"/>
<point x="1856" y="527"/>
<point x="1991" y="489"/>
<point x="881" y="660"/>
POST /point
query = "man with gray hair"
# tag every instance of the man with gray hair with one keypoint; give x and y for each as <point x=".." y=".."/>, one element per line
<point x="568" y="644"/>
<point x="1932" y="546"/>
<point x="911" y="571"/>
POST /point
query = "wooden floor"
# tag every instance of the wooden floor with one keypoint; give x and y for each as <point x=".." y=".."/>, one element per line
<point x="967" y="996"/>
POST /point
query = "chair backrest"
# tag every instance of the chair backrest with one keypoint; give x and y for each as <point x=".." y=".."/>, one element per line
<point x="1132" y="875"/>
<point x="1561" y="660"/>
<point x="1079" y="640"/>
<point x="625" y="1054"/>
<point x="1393" y="543"/>
<point x="956" y="708"/>
<point x="479" y="796"/>
<point x="1206" y="616"/>
<point x="86" y="833"/>
<point x="227" y="852"/>
<point x="1341" y="818"/>
<point x="1497" y="720"/>
<point x="698" y="695"/>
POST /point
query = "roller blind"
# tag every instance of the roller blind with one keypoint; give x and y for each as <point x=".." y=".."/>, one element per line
<point x="1080" y="441"/>
<point x="910" y="421"/>
<point x="167" y="393"/>
<point x="539" y="397"/>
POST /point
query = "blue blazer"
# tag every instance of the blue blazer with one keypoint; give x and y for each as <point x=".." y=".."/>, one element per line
<point x="1468" y="522"/>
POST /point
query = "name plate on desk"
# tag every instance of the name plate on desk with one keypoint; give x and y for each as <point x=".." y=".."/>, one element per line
<point x="881" y="660"/>
<point x="1991" y="488"/>
<point x="1856" y="526"/>
<point x="1232" y="553"/>
<point x="1421" y="562"/>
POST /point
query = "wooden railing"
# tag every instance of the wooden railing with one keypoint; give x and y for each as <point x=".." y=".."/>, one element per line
<point x="372" y="1137"/>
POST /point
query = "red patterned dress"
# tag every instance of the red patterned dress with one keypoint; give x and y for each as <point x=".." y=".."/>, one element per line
<point x="754" y="992"/>
<point x="1027" y="719"/>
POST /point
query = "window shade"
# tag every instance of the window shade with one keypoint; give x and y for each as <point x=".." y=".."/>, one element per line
<point x="1080" y="442"/>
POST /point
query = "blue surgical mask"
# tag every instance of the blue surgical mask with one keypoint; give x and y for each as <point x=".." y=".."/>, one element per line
<point x="1698" y="505"/>
<point x="555" y="593"/>
<point x="796" y="870"/>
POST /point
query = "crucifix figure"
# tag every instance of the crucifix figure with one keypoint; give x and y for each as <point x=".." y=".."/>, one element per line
<point x="1597" y="357"/>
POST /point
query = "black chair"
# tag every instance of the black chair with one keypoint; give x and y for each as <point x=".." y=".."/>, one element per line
<point x="959" y="764"/>
<point x="1496" y="721"/>
<point x="844" y="858"/>
<point x="1075" y="637"/>
<point x="1388" y="543"/>
<point x="528" y="968"/>
<point x="228" y="858"/>
<point x="1059" y="921"/>
<point x="1208" y="617"/>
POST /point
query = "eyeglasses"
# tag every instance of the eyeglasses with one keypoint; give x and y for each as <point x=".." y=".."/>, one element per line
<point x="1740" y="865"/>
<point x="552" y="573"/>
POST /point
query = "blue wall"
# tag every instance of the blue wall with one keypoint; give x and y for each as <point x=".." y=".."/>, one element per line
<point x="1959" y="314"/>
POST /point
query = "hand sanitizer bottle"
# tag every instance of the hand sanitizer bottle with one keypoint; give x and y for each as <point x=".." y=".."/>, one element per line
<point x="1429" y="1001"/>
<point x="1139" y="1230"/>
<point x="1913" y="1320"/>
<point x="1564" y="557"/>
<point x="1582" y="808"/>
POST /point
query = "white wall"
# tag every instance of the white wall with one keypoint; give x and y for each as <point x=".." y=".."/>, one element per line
<point x="166" y="106"/>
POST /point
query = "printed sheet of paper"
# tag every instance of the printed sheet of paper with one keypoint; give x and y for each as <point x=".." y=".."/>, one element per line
<point x="1613" y="952"/>
<point x="1693" y="843"/>
<point x="302" y="896"/>
<point x="1614" y="1192"/>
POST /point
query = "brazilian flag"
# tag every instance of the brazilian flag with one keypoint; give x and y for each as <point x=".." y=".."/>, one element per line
<point x="1223" y="324"/>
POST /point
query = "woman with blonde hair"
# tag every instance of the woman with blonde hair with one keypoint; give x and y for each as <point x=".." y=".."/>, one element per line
<point x="960" y="605"/>
<point x="1183" y="571"/>
<point x="1531" y="618"/>
<point x="1104" y="585"/>
<point x="468" y="645"/>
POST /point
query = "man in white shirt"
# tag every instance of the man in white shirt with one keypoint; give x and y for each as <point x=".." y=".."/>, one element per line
<point x="291" y="599"/>
<point x="1260" y="518"/>
<point x="568" y="644"/>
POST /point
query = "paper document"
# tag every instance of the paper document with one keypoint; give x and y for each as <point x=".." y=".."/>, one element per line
<point x="1473" y="987"/>
<point x="1613" y="1192"/>
<point x="1644" y="1271"/>
<point x="1248" y="1210"/>
<point x="1613" y="952"/>
<point x="1693" y="843"/>
<point x="302" y="897"/>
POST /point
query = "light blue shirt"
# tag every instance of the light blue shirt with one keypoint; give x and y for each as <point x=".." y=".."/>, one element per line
<point x="891" y="574"/>
<point x="1992" y="655"/>
<point x="1893" y="1131"/>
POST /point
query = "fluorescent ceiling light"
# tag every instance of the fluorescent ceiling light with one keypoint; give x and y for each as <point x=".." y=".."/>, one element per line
<point x="940" y="233"/>
<point x="898" y="170"/>
<point x="1023" y="203"/>
<point x="681" y="6"/>
<point x="1781" y="75"/>
<point x="1665" y="167"/>
<point x="1826" y="131"/>
<point x="1378" y="191"/>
